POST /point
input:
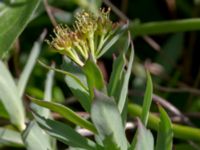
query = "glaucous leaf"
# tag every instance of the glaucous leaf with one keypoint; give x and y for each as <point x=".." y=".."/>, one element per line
<point x="66" y="112"/>
<point x="145" y="139"/>
<point x="10" y="137"/>
<point x="10" y="98"/>
<point x="35" y="138"/>
<point x="94" y="77"/>
<point x="107" y="119"/>
<point x="64" y="133"/>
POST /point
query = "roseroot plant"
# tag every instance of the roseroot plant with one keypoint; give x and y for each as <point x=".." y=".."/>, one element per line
<point x="91" y="36"/>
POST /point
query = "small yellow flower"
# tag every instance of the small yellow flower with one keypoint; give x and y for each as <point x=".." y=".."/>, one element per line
<point x="87" y="38"/>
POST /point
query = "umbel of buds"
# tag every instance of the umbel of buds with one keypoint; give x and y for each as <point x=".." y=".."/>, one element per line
<point x="87" y="38"/>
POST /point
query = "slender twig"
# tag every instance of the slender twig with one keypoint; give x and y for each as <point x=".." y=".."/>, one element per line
<point x="152" y="43"/>
<point x="178" y="90"/>
<point x="116" y="10"/>
<point x="193" y="115"/>
<point x="48" y="10"/>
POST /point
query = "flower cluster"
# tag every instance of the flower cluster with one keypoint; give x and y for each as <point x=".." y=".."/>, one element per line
<point x="87" y="38"/>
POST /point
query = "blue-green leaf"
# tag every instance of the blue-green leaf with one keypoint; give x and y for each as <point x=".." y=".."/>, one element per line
<point x="94" y="77"/>
<point x="64" y="133"/>
<point x="66" y="112"/>
<point x="107" y="119"/>
<point x="79" y="92"/>
<point x="145" y="139"/>
<point x="10" y="137"/>
<point x="82" y="94"/>
<point x="35" y="138"/>
<point x="10" y="98"/>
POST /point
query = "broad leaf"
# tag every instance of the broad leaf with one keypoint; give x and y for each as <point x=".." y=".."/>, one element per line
<point x="10" y="98"/>
<point x="144" y="138"/>
<point x="35" y="138"/>
<point x="66" y="113"/>
<point x="14" y="18"/>
<point x="106" y="118"/>
<point x="64" y="133"/>
<point x="165" y="132"/>
<point x="147" y="100"/>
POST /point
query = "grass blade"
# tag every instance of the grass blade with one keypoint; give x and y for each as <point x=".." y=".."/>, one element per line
<point x="165" y="132"/>
<point x="147" y="100"/>
<point x="30" y="64"/>
<point x="123" y="94"/>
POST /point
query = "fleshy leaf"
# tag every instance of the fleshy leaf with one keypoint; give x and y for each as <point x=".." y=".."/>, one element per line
<point x="94" y="77"/>
<point x="10" y="98"/>
<point x="107" y="119"/>
<point x="66" y="112"/>
<point x="64" y="133"/>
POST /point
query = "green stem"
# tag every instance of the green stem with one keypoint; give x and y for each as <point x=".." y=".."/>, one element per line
<point x="92" y="47"/>
<point x="161" y="27"/>
<point x="180" y="131"/>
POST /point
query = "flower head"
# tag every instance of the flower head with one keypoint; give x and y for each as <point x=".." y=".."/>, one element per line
<point x="87" y="38"/>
